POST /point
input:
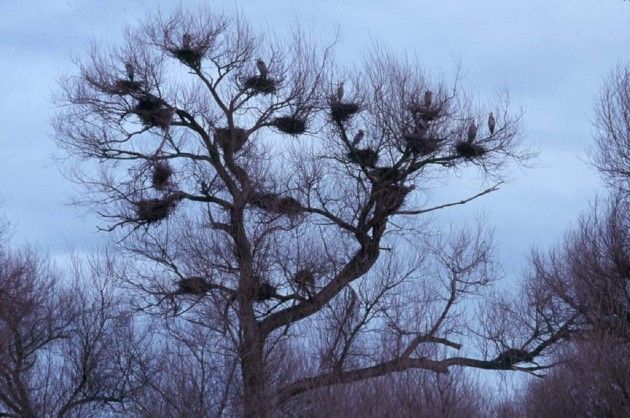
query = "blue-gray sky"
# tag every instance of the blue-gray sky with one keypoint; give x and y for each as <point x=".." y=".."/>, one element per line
<point x="551" y="55"/>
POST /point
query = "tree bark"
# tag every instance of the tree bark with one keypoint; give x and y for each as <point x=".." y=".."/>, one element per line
<point x="256" y="403"/>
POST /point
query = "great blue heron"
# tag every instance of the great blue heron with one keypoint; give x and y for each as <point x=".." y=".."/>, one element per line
<point x="130" y="70"/>
<point x="428" y="97"/>
<point x="186" y="41"/>
<point x="340" y="91"/>
<point x="262" y="68"/>
<point x="358" y="137"/>
<point x="472" y="131"/>
<point x="491" y="123"/>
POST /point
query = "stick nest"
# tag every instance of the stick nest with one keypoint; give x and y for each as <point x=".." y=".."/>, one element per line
<point x="152" y="112"/>
<point x="468" y="150"/>
<point x="161" y="177"/>
<point x="364" y="157"/>
<point x="231" y="139"/>
<point x="193" y="286"/>
<point x="386" y="174"/>
<point x="265" y="291"/>
<point x="274" y="203"/>
<point x="342" y="111"/>
<point x="304" y="279"/>
<point x="188" y="56"/>
<point x="260" y="84"/>
<point x="155" y="210"/>
<point x="290" y="125"/>
<point x="391" y="198"/>
<point x="420" y="144"/>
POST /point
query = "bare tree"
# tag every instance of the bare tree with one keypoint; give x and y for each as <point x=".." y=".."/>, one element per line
<point x="275" y="201"/>
<point x="612" y="153"/>
<point x="65" y="349"/>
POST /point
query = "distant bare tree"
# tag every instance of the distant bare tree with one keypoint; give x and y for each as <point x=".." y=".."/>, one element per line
<point x="271" y="202"/>
<point x="588" y="278"/>
<point x="65" y="349"/>
<point x="612" y="156"/>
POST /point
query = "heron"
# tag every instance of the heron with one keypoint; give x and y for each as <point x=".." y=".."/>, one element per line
<point x="262" y="68"/>
<point x="186" y="41"/>
<point x="130" y="70"/>
<point x="358" y="137"/>
<point x="472" y="131"/>
<point x="340" y="91"/>
<point x="491" y="123"/>
<point x="428" y="97"/>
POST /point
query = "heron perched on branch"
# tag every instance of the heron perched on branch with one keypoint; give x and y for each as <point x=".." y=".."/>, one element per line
<point x="186" y="41"/>
<point x="491" y="123"/>
<point x="358" y="137"/>
<point x="262" y="68"/>
<point x="472" y="131"/>
<point x="130" y="70"/>
<point x="340" y="92"/>
<point x="428" y="98"/>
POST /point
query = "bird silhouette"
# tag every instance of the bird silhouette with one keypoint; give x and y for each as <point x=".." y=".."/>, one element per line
<point x="491" y="123"/>
<point x="358" y="137"/>
<point x="340" y="92"/>
<point x="262" y="68"/>
<point x="186" y="41"/>
<point x="428" y="98"/>
<point x="472" y="131"/>
<point x="130" y="70"/>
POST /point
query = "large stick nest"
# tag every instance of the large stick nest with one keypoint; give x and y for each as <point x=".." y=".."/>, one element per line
<point x="189" y="56"/>
<point x="304" y="279"/>
<point x="231" y="139"/>
<point x="290" y="125"/>
<point x="260" y="84"/>
<point x="364" y="157"/>
<point x="386" y="174"/>
<point x="468" y="150"/>
<point x="264" y="291"/>
<point x="152" y="112"/>
<point x="421" y="144"/>
<point x="193" y="286"/>
<point x="342" y="111"/>
<point x="274" y="203"/>
<point x="162" y="173"/>
<point x="155" y="210"/>
<point x="391" y="198"/>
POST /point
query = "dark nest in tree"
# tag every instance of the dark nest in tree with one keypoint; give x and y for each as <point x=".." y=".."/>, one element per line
<point x="274" y="203"/>
<point x="290" y="125"/>
<point x="152" y="112"/>
<point x="386" y="174"/>
<point x="260" y="84"/>
<point x="189" y="56"/>
<point x="264" y="291"/>
<point x="231" y="139"/>
<point x="162" y="173"/>
<point x="155" y="210"/>
<point x="341" y="111"/>
<point x="428" y="114"/>
<point x="124" y="87"/>
<point x="513" y="356"/>
<point x="468" y="150"/>
<point x="193" y="286"/>
<point x="391" y="198"/>
<point x="420" y="144"/>
<point x="304" y="279"/>
<point x="364" y="157"/>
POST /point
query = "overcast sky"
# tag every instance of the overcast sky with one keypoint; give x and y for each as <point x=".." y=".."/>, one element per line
<point x="551" y="55"/>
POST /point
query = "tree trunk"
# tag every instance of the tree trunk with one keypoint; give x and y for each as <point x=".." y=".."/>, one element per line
<point x="256" y="402"/>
